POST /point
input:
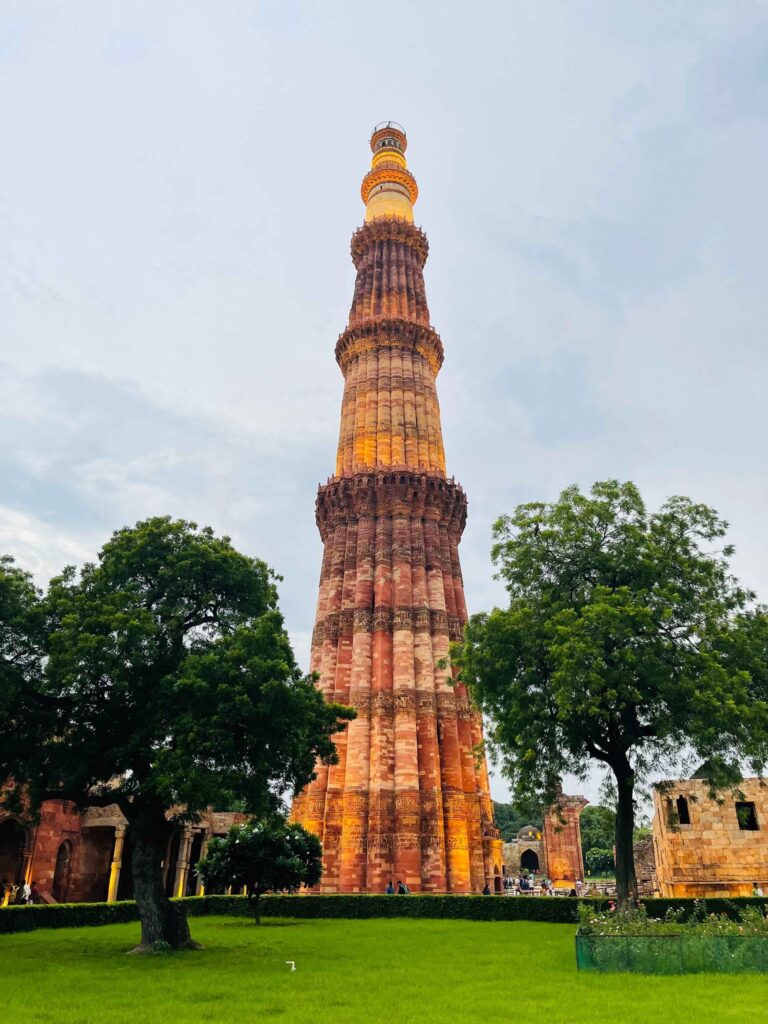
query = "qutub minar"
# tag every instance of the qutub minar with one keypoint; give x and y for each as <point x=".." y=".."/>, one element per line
<point x="409" y="797"/>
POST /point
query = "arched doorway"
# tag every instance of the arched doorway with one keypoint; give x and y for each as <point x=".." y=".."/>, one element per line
<point x="529" y="860"/>
<point x="12" y="838"/>
<point x="60" y="885"/>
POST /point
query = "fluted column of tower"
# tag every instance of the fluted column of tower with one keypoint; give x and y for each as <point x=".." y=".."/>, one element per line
<point x="409" y="797"/>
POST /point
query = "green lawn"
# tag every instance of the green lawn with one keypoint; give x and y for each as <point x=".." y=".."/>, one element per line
<point x="348" y="972"/>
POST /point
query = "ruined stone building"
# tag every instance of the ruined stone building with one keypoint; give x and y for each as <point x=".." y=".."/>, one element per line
<point x="409" y="797"/>
<point x="525" y="852"/>
<point x="705" y="846"/>
<point x="553" y="850"/>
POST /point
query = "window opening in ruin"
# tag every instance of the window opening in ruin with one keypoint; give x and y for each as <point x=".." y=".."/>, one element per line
<point x="683" y="815"/>
<point x="745" y="812"/>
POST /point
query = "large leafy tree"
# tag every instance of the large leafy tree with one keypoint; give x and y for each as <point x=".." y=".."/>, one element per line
<point x="22" y="656"/>
<point x="626" y="641"/>
<point x="263" y="856"/>
<point x="170" y="685"/>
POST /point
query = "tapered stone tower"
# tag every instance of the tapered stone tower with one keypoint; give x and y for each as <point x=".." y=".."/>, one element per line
<point x="409" y="798"/>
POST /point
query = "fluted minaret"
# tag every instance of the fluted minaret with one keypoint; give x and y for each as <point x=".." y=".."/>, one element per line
<point x="409" y="798"/>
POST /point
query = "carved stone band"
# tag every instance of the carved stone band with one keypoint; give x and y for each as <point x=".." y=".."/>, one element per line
<point x="384" y="619"/>
<point x="390" y="333"/>
<point x="393" y="229"/>
<point x="385" y="494"/>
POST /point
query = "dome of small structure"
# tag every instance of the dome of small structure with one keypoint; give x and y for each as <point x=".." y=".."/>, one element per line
<point x="529" y="834"/>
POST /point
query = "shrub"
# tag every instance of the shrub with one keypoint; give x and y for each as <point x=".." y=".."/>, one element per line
<point x="633" y="941"/>
<point x="700" y="920"/>
<point x="598" y="859"/>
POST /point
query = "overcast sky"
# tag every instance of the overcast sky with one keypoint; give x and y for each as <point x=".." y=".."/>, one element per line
<point x="178" y="187"/>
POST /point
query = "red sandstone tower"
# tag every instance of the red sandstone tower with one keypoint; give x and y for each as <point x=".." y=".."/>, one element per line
<point x="409" y="798"/>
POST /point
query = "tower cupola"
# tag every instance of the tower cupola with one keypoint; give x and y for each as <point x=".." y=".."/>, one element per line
<point x="389" y="189"/>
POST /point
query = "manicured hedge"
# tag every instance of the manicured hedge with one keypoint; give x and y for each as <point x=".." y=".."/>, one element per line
<point x="65" y="915"/>
<point x="556" y="910"/>
<point x="77" y="915"/>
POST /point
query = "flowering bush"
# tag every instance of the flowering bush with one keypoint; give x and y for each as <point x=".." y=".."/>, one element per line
<point x="746" y="921"/>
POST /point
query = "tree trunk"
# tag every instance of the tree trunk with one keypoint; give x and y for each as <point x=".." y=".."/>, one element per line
<point x="253" y="898"/>
<point x="626" y="881"/>
<point x="161" y="921"/>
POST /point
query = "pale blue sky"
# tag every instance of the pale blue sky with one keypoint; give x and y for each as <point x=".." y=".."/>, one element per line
<point x="178" y="187"/>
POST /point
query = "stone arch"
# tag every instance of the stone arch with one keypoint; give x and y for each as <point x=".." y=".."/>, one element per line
<point x="12" y="839"/>
<point x="62" y="872"/>
<point x="529" y="860"/>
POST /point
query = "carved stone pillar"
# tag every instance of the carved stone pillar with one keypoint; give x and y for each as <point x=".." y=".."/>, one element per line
<point x="200" y="887"/>
<point x="117" y="863"/>
<point x="29" y="849"/>
<point x="182" y="864"/>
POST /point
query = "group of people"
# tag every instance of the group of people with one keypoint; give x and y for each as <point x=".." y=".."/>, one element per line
<point x="401" y="890"/>
<point x="527" y="884"/>
<point x="512" y="886"/>
<point x="13" y="893"/>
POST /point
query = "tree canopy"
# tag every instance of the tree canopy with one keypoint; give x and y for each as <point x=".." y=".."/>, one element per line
<point x="626" y="640"/>
<point x="263" y="856"/>
<point x="169" y="685"/>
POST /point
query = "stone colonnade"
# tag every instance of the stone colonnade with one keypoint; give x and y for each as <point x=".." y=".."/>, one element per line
<point x="84" y="856"/>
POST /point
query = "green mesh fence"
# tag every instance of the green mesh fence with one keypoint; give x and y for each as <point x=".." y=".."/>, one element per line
<point x="672" y="954"/>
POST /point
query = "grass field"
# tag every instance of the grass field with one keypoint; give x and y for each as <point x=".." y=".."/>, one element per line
<point x="348" y="972"/>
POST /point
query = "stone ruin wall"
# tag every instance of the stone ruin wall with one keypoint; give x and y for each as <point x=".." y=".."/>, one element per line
<point x="712" y="855"/>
